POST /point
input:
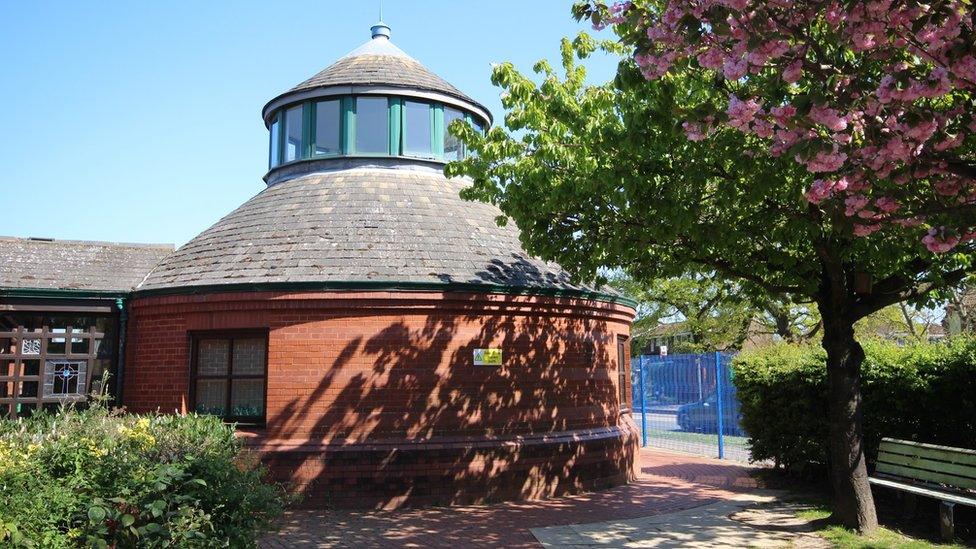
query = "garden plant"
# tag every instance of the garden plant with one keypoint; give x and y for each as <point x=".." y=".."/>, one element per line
<point x="102" y="478"/>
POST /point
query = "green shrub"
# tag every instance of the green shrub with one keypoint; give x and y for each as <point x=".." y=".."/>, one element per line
<point x="924" y="392"/>
<point x="99" y="478"/>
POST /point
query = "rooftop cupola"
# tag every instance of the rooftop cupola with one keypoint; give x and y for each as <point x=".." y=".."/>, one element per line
<point x="374" y="103"/>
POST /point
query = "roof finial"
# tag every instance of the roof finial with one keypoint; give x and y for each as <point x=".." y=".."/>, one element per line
<point x="381" y="28"/>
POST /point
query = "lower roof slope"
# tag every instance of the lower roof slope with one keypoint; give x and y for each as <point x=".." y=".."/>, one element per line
<point x="359" y="225"/>
<point x="42" y="263"/>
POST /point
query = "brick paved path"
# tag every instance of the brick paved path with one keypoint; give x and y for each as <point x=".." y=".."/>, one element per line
<point x="667" y="482"/>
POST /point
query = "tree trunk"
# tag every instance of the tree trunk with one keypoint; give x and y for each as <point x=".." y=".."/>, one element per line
<point x="854" y="504"/>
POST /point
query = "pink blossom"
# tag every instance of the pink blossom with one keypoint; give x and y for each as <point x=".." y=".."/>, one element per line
<point x="939" y="240"/>
<point x="693" y="131"/>
<point x="965" y="68"/>
<point x="854" y="204"/>
<point x="887" y="204"/>
<point x="889" y="115"/>
<point x="741" y="113"/>
<point x="793" y="71"/>
<point x="782" y="115"/>
<point x="734" y="69"/>
<point x="864" y="41"/>
<point x="822" y="189"/>
<point x="865" y="230"/>
<point x="828" y="117"/>
<point x="825" y="161"/>
<point x="711" y="58"/>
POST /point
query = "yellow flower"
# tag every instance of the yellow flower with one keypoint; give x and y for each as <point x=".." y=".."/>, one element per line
<point x="140" y="435"/>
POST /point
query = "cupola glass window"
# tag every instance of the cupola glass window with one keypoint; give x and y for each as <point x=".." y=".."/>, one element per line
<point x="275" y="142"/>
<point x="293" y="133"/>
<point x="372" y="125"/>
<point x="417" y="128"/>
<point x="366" y="126"/>
<point x="328" y="127"/>
<point x="452" y="145"/>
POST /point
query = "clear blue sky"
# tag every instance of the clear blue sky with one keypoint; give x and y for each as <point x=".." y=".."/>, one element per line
<point x="140" y="121"/>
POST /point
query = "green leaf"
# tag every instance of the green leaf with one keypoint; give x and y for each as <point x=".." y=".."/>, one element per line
<point x="96" y="513"/>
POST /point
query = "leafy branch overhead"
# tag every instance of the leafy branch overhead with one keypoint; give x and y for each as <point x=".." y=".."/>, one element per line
<point x="603" y="176"/>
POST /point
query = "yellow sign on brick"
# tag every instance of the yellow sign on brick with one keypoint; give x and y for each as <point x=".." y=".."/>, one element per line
<point x="487" y="357"/>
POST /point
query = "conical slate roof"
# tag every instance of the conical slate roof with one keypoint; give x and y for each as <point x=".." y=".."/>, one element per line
<point x="359" y="225"/>
<point x="379" y="62"/>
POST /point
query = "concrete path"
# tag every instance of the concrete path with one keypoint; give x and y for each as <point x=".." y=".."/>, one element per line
<point x="745" y="520"/>
<point x="668" y="483"/>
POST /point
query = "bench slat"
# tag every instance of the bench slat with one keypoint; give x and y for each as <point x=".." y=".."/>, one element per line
<point x="961" y="456"/>
<point x="915" y="462"/>
<point x="928" y="476"/>
<point x="927" y="492"/>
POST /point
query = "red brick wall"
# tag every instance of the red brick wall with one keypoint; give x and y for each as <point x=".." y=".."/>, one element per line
<point x="370" y="380"/>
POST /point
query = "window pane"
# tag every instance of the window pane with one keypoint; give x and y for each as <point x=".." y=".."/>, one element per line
<point x="416" y="130"/>
<point x="327" y="127"/>
<point x="29" y="389"/>
<point x="211" y="396"/>
<point x="248" y="357"/>
<point x="64" y="378"/>
<point x="31" y="368"/>
<point x="275" y="137"/>
<point x="452" y="145"/>
<point x="247" y="397"/>
<point x="212" y="355"/>
<point x="293" y="133"/>
<point x="372" y="125"/>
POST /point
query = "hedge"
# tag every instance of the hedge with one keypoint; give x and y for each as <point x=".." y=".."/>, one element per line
<point x="101" y="478"/>
<point x="924" y="392"/>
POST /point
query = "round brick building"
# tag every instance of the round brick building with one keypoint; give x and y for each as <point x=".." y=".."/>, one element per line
<point x="379" y="340"/>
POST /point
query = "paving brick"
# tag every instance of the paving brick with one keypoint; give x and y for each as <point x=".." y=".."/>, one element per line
<point x="660" y="488"/>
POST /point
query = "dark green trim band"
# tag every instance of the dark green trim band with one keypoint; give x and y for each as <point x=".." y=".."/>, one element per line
<point x="56" y="293"/>
<point x="379" y="285"/>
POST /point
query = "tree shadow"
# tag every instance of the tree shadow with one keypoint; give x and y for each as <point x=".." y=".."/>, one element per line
<point x="396" y="413"/>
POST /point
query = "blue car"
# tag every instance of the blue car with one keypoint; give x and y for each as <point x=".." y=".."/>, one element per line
<point x="702" y="416"/>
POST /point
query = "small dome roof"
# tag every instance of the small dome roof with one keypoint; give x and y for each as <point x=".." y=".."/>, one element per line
<point x="365" y="224"/>
<point x="379" y="62"/>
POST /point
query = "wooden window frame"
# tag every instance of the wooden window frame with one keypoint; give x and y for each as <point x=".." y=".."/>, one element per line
<point x="230" y="336"/>
<point x="15" y="401"/>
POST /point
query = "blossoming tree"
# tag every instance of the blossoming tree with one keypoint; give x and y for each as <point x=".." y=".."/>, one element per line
<point x="872" y="97"/>
<point x="812" y="151"/>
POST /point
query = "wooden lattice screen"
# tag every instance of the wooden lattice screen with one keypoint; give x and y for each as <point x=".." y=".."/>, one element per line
<point x="45" y="367"/>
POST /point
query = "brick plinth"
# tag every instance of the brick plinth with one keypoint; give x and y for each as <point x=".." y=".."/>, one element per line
<point x="373" y="399"/>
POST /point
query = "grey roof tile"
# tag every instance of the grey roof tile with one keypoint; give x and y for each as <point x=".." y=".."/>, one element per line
<point x="311" y="229"/>
<point x="76" y="265"/>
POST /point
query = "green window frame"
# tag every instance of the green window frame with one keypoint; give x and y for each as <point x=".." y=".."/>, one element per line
<point x="274" y="141"/>
<point x="301" y="149"/>
<point x="354" y="149"/>
<point x="431" y="151"/>
<point x="348" y="130"/>
<point x="313" y="127"/>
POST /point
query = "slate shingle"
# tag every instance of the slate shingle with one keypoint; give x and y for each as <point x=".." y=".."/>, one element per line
<point x="76" y="265"/>
<point x="330" y="227"/>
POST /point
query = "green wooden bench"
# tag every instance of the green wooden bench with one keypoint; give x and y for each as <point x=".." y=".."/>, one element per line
<point x="939" y="472"/>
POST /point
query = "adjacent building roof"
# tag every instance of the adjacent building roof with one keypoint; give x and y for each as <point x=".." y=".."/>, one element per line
<point x="40" y="263"/>
<point x="360" y="224"/>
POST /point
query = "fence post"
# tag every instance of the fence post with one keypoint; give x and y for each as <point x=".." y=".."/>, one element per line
<point x="718" y="402"/>
<point x="643" y="401"/>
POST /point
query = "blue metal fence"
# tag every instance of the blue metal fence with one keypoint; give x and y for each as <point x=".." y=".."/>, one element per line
<point x="687" y="402"/>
